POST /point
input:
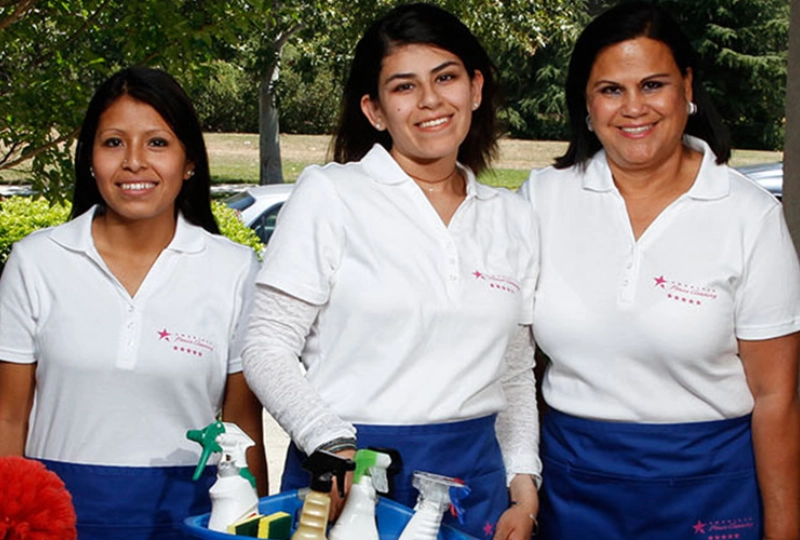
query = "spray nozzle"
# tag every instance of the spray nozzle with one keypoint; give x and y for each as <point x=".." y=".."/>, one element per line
<point x="324" y="466"/>
<point x="441" y="491"/>
<point x="226" y="438"/>
<point x="372" y="464"/>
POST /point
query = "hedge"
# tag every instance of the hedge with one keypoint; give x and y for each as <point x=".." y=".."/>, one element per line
<point x="20" y="216"/>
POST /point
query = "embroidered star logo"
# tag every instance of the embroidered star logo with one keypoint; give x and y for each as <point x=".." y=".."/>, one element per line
<point x="488" y="529"/>
<point x="660" y="281"/>
<point x="163" y="334"/>
<point x="477" y="274"/>
<point x="699" y="527"/>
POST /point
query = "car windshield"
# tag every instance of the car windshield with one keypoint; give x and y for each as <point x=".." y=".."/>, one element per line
<point x="240" y="201"/>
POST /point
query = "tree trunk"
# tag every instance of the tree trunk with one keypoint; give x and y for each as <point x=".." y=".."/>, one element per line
<point x="269" y="144"/>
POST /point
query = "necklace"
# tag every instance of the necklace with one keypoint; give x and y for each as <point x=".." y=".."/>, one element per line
<point x="433" y="183"/>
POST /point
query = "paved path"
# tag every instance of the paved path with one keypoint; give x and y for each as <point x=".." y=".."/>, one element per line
<point x="275" y="442"/>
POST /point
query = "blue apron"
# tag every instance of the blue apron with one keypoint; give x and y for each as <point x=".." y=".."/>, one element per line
<point x="467" y="450"/>
<point x="628" y="481"/>
<point x="133" y="503"/>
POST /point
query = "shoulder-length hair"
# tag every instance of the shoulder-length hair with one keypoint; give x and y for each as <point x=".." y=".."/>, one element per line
<point x="626" y="21"/>
<point x="162" y="92"/>
<point x="416" y="24"/>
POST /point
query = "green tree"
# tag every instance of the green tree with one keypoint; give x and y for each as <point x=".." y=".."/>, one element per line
<point x="743" y="48"/>
<point x="743" y="45"/>
<point x="53" y="53"/>
<point x="327" y="30"/>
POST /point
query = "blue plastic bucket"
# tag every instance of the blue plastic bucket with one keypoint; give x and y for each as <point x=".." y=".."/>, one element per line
<point x="390" y="516"/>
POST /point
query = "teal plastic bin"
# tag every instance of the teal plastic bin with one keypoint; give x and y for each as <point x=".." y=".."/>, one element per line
<point x="390" y="516"/>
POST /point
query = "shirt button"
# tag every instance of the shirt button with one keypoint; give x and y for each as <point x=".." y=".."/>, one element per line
<point x="453" y="278"/>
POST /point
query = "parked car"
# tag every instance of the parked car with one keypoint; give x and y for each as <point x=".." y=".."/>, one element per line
<point x="768" y="175"/>
<point x="258" y="207"/>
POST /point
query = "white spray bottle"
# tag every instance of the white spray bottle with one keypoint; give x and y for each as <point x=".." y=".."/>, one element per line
<point x="233" y="495"/>
<point x="436" y="494"/>
<point x="357" y="521"/>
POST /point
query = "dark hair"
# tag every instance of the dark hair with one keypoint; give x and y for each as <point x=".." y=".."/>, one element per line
<point x="158" y="89"/>
<point x="626" y="21"/>
<point x="404" y="25"/>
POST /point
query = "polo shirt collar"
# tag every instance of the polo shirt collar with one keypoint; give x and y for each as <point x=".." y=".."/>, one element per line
<point x="712" y="180"/>
<point x="76" y="234"/>
<point x="379" y="164"/>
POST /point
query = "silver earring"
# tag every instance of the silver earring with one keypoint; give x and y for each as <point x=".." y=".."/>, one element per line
<point x="91" y="171"/>
<point x="189" y="173"/>
<point x="691" y="107"/>
<point x="378" y="126"/>
<point x="589" y="125"/>
<point x="475" y="106"/>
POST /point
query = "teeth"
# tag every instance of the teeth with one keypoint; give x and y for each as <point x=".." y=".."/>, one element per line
<point x="137" y="186"/>
<point x="432" y="123"/>
<point x="639" y="129"/>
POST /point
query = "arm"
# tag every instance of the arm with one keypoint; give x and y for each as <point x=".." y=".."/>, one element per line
<point x="17" y="386"/>
<point x="771" y="368"/>
<point x="518" y="434"/>
<point x="243" y="409"/>
<point x="279" y="324"/>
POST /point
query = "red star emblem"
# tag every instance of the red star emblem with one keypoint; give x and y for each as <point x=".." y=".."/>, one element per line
<point x="488" y="529"/>
<point x="660" y="281"/>
<point x="163" y="334"/>
<point x="699" y="527"/>
<point x="477" y="274"/>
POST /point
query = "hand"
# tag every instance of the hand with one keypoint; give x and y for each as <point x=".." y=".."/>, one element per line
<point x="518" y="521"/>
<point x="515" y="524"/>
<point x="337" y="502"/>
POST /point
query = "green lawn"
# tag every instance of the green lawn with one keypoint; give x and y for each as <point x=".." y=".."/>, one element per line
<point x="234" y="158"/>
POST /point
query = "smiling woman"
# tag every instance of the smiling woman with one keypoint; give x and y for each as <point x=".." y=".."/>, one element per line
<point x="129" y="317"/>
<point x="393" y="271"/>
<point x="668" y="305"/>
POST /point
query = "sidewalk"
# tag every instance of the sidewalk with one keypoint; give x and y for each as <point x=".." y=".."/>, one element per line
<point x="275" y="442"/>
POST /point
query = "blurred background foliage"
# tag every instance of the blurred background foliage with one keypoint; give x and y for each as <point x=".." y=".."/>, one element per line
<point x="263" y="66"/>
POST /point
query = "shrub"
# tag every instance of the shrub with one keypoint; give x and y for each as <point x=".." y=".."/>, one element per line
<point x="232" y="227"/>
<point x="20" y="216"/>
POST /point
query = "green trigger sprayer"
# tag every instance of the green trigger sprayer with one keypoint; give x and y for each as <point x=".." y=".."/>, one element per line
<point x="233" y="495"/>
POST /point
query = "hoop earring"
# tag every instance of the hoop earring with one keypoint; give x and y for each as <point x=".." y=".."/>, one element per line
<point x="589" y="125"/>
<point x="692" y="108"/>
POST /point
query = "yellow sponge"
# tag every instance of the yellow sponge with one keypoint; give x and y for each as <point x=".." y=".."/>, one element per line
<point x="277" y="526"/>
<point x="247" y="526"/>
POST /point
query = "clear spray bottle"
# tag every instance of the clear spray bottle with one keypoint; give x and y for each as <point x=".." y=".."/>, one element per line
<point x="233" y="495"/>
<point x="357" y="521"/>
<point x="436" y="494"/>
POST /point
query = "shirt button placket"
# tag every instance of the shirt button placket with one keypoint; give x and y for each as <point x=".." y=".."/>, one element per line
<point x="451" y="256"/>
<point x="626" y="293"/>
<point x="128" y="344"/>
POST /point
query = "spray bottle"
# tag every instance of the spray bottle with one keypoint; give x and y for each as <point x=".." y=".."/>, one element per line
<point x="316" y="508"/>
<point x="357" y="521"/>
<point x="436" y="494"/>
<point x="233" y="495"/>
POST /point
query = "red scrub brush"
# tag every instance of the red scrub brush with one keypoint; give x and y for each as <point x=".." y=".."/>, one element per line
<point x="34" y="504"/>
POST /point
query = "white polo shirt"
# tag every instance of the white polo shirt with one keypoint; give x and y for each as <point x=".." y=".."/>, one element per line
<point x="119" y="380"/>
<point x="415" y="315"/>
<point x="647" y="330"/>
